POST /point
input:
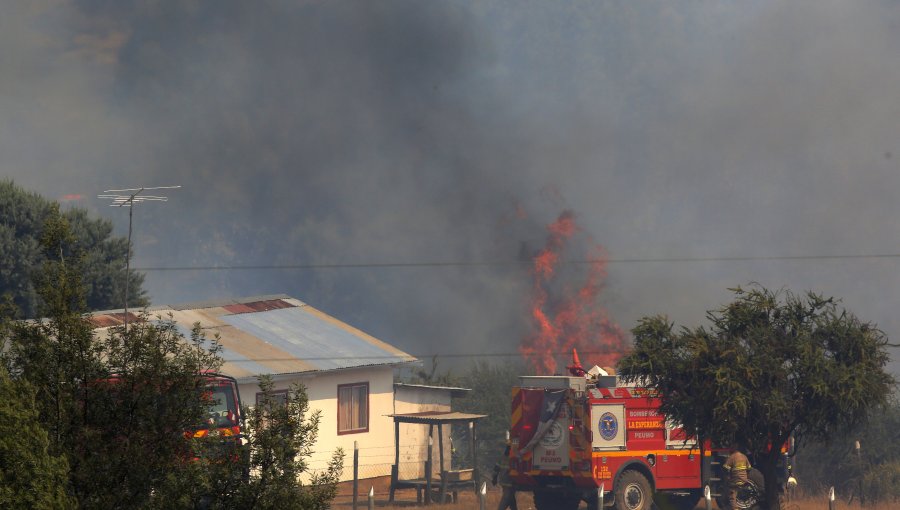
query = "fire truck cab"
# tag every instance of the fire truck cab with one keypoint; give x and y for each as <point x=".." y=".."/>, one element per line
<point x="223" y="414"/>
<point x="576" y="439"/>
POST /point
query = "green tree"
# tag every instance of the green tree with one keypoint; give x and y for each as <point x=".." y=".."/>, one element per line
<point x="116" y="406"/>
<point x="280" y="436"/>
<point x="23" y="216"/>
<point x="57" y="354"/>
<point x="138" y="416"/>
<point x="771" y="365"/>
<point x="30" y="477"/>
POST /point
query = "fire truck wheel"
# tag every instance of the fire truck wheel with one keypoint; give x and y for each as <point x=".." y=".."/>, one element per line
<point x="633" y="491"/>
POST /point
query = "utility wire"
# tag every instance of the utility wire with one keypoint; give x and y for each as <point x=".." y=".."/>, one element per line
<point x="426" y="356"/>
<point x="581" y="354"/>
<point x="500" y="263"/>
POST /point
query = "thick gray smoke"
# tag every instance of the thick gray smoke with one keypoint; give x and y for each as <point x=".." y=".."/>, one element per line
<point x="389" y="132"/>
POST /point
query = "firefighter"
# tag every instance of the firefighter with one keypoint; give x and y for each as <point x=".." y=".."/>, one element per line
<point x="737" y="465"/>
<point x="501" y="475"/>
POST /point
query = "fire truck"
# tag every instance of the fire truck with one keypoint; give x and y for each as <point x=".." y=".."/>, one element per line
<point x="222" y="418"/>
<point x="221" y="431"/>
<point x="223" y="412"/>
<point x="594" y="439"/>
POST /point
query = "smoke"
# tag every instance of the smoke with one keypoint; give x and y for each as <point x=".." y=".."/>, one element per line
<point x="335" y="133"/>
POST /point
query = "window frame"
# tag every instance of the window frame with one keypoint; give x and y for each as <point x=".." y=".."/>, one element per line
<point x="365" y="385"/>
<point x="283" y="393"/>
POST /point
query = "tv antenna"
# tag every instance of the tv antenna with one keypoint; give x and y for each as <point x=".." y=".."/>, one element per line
<point x="127" y="198"/>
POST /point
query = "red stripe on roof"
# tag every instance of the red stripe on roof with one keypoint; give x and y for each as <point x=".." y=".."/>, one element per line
<point x="112" y="319"/>
<point x="258" y="306"/>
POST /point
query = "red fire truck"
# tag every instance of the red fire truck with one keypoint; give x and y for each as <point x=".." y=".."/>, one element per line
<point x="570" y="436"/>
<point x="223" y="415"/>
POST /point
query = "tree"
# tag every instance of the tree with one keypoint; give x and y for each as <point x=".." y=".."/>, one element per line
<point x="57" y="354"/>
<point x="133" y="422"/>
<point x="30" y="477"/>
<point x="771" y="365"/>
<point x="115" y="406"/>
<point x="23" y="216"/>
<point x="280" y="436"/>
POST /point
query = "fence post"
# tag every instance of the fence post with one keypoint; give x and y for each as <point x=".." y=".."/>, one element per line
<point x="428" y="473"/>
<point x="600" y="495"/>
<point x="372" y="498"/>
<point x="707" y="495"/>
<point x="355" y="473"/>
<point x="831" y="498"/>
<point x="859" y="463"/>
<point x="482" y="496"/>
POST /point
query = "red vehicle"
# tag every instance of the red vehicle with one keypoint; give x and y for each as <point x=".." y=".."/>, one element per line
<point x="223" y="415"/>
<point x="570" y="436"/>
<point x="223" y="424"/>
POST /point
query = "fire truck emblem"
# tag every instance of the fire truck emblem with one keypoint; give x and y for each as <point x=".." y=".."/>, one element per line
<point x="553" y="437"/>
<point x="609" y="426"/>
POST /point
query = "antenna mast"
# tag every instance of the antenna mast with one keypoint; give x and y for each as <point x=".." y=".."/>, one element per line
<point x="127" y="198"/>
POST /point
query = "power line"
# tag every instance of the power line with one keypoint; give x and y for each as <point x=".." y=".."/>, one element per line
<point x="501" y="263"/>
<point x="427" y="356"/>
<point x="581" y="354"/>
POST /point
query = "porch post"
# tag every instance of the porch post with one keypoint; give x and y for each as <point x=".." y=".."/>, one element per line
<point x="428" y="466"/>
<point x="395" y="469"/>
<point x="441" y="457"/>
<point x="474" y="453"/>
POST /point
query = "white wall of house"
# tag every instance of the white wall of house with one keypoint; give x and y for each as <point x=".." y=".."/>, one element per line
<point x="376" y="445"/>
<point x="414" y="436"/>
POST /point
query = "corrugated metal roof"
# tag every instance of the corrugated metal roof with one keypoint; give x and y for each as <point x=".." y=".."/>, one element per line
<point x="275" y="335"/>
<point x="455" y="391"/>
<point x="436" y="417"/>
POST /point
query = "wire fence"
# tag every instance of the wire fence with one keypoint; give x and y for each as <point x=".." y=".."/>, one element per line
<point x="379" y="487"/>
<point x="377" y="461"/>
<point x="370" y="468"/>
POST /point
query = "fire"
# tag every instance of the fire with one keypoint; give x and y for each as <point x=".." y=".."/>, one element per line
<point x="565" y="317"/>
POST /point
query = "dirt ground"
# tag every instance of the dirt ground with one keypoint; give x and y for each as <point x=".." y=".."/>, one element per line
<point x="406" y="498"/>
<point x="468" y="501"/>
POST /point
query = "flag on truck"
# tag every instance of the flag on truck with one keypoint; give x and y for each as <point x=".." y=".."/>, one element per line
<point x="549" y="408"/>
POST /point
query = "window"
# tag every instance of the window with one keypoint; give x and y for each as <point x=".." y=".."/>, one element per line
<point x="353" y="408"/>
<point x="279" y="398"/>
<point x="222" y="410"/>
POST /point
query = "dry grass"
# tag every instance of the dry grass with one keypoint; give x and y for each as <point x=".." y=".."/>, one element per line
<point x="468" y="501"/>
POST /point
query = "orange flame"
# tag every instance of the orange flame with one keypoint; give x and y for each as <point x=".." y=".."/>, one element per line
<point x="573" y="319"/>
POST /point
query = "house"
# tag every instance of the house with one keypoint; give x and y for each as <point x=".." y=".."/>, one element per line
<point x="349" y="374"/>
